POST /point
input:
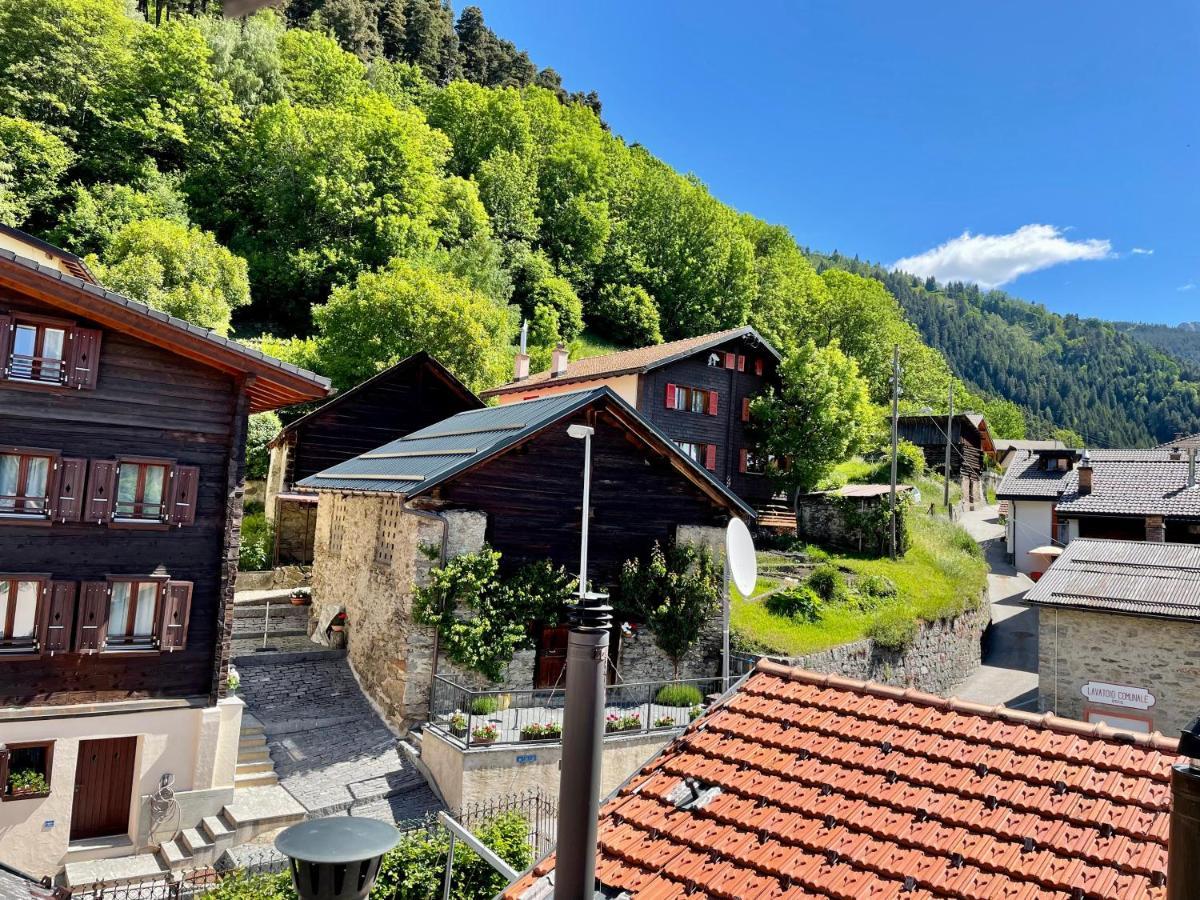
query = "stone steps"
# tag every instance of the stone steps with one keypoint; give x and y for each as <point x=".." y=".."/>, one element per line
<point x="142" y="867"/>
<point x="255" y="779"/>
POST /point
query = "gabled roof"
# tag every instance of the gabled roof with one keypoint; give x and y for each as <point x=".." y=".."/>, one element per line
<point x="1004" y="445"/>
<point x="416" y="464"/>
<point x="1139" y="578"/>
<point x="636" y="361"/>
<point x="974" y="421"/>
<point x="421" y="358"/>
<point x="800" y="785"/>
<point x="1183" y="441"/>
<point x="274" y="383"/>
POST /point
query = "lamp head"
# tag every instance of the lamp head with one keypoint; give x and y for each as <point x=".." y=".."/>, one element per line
<point x="579" y="432"/>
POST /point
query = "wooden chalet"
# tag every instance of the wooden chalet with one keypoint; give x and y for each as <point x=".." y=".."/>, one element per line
<point x="405" y="397"/>
<point x="122" y="442"/>
<point x="970" y="442"/>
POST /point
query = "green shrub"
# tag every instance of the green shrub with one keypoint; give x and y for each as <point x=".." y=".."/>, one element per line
<point x="261" y="429"/>
<point x="878" y="587"/>
<point x="241" y="886"/>
<point x="799" y="602"/>
<point x="910" y="461"/>
<point x="484" y="706"/>
<point x="258" y="543"/>
<point x="828" y="582"/>
<point x="678" y="695"/>
<point x="895" y="629"/>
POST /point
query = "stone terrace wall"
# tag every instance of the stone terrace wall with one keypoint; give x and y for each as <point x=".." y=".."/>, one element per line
<point x="943" y="655"/>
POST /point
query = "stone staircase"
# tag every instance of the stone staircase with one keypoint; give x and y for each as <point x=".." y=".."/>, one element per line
<point x="254" y="765"/>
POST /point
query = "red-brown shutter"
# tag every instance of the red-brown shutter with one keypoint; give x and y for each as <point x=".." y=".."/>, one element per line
<point x="60" y="616"/>
<point x="184" y="487"/>
<point x="730" y="360"/>
<point x="6" y="331"/>
<point x="177" y="608"/>
<point x="101" y="486"/>
<point x="710" y="457"/>
<point x="91" y="625"/>
<point x="741" y="363"/>
<point x="712" y="403"/>
<point x="670" y="396"/>
<point x="745" y="409"/>
<point x="84" y="368"/>
<point x="758" y="365"/>
<point x="742" y="460"/>
<point x="67" y="503"/>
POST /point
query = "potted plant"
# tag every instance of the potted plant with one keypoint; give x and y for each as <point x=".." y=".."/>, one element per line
<point x="485" y="734"/>
<point x="458" y="724"/>
<point x="695" y="712"/>
<point x="664" y="722"/>
<point x="338" y="623"/>
<point x="627" y="722"/>
<point x="301" y="596"/>
<point x="536" y="731"/>
<point x="27" y="783"/>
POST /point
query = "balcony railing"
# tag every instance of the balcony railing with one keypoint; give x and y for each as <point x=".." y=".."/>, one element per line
<point x="487" y="718"/>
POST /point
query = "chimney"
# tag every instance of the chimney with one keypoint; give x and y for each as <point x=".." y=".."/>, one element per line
<point x="1192" y="467"/>
<point x="521" y="367"/>
<point x="1183" y="845"/>
<point x="1176" y="455"/>
<point x="558" y="361"/>
<point x="1156" y="529"/>
<point x="1085" y="474"/>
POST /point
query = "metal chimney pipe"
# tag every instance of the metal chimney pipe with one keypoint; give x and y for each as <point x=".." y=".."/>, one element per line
<point x="1192" y="467"/>
<point x="583" y="723"/>
<point x="1183" y="845"/>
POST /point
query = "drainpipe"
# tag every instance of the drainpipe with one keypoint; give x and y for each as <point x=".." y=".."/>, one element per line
<point x="440" y="519"/>
<point x="1183" y="845"/>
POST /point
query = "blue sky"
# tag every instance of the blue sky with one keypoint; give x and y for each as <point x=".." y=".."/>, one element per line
<point x="889" y="129"/>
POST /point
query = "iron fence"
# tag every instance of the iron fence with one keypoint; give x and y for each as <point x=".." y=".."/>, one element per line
<point x="490" y="717"/>
<point x="538" y="810"/>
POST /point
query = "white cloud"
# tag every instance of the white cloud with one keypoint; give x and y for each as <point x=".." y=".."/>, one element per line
<point x="991" y="260"/>
<point x="1190" y="286"/>
<point x="1142" y="251"/>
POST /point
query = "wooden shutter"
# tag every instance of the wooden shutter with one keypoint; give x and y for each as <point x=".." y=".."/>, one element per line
<point x="177" y="607"/>
<point x="710" y="457"/>
<point x="101" y="486"/>
<point x="60" y="616"/>
<point x="730" y="360"/>
<point x="6" y="332"/>
<point x="712" y="403"/>
<point x="741" y="363"/>
<point x="91" y="625"/>
<point x="742" y="460"/>
<point x="758" y="365"/>
<point x="745" y="409"/>
<point x="67" y="503"/>
<point x="670" y="396"/>
<point x="184" y="485"/>
<point x="84" y="368"/>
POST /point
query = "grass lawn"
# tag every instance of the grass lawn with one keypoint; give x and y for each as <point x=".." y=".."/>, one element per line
<point x="939" y="576"/>
<point x="860" y="471"/>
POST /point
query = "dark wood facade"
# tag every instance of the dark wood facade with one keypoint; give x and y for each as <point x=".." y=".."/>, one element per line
<point x="148" y="401"/>
<point x="969" y="442"/>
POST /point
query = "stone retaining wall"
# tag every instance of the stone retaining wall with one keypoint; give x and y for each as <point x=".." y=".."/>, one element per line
<point x="944" y="654"/>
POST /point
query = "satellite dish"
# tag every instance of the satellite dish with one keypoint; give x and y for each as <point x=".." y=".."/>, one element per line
<point x="739" y="551"/>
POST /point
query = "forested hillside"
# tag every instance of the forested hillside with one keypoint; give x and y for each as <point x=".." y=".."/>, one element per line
<point x="1064" y="371"/>
<point x="1181" y="341"/>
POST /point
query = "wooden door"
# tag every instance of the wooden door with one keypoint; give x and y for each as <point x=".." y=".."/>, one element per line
<point x="551" y="657"/>
<point x="103" y="788"/>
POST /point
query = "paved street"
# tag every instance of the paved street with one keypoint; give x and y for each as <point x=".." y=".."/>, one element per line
<point x="1010" y="652"/>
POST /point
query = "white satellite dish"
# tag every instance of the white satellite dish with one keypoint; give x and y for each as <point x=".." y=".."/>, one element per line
<point x="739" y="551"/>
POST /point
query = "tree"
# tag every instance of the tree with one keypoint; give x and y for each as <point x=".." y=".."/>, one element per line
<point x="508" y="188"/>
<point x="674" y="591"/>
<point x="260" y="431"/>
<point x="405" y="307"/>
<point x="429" y="40"/>
<point x="553" y="304"/>
<point x="182" y="271"/>
<point x="317" y="72"/>
<point x="625" y="314"/>
<point x="817" y="418"/>
<point x="479" y="122"/>
<point x="98" y="213"/>
<point x="32" y="164"/>
<point x="245" y="56"/>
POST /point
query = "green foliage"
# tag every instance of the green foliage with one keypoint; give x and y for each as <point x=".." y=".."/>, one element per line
<point x="627" y="314"/>
<point x="180" y="270"/>
<point x="799" y="602"/>
<point x="261" y="431"/>
<point x="828" y="583"/>
<point x="480" y="616"/>
<point x="317" y="72"/>
<point x="674" y="591"/>
<point x="28" y="780"/>
<point x="257" y="549"/>
<point x="555" y="310"/>
<point x="878" y="587"/>
<point x="910" y="461"/>
<point x="32" y="164"/>
<point x="894" y="629"/>
<point x="97" y="214"/>
<point x="244" y="56"/>
<point x="678" y="695"/>
<point x="484" y="706"/>
<point x="242" y="886"/>
<point x="816" y="420"/>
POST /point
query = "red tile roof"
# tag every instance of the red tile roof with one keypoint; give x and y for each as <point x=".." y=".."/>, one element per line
<point x="805" y="785"/>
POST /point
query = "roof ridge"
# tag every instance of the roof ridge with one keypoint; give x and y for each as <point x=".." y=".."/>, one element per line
<point x="1154" y="741"/>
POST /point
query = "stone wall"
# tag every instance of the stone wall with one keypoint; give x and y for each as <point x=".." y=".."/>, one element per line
<point x="1160" y="655"/>
<point x="827" y="519"/>
<point x="294" y="527"/>
<point x="943" y="655"/>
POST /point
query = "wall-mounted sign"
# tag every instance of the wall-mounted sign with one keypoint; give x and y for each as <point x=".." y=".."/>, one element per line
<point x="524" y="759"/>
<point x="1118" y="695"/>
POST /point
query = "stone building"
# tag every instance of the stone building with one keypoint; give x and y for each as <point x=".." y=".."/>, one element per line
<point x="510" y="476"/>
<point x="1119" y="634"/>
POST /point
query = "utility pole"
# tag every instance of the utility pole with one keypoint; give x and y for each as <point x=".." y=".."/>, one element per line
<point x="895" y="435"/>
<point x="949" y="432"/>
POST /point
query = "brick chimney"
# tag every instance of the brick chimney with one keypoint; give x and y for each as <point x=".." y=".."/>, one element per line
<point x="1156" y="529"/>
<point x="521" y="367"/>
<point x="1085" y="474"/>
<point x="558" y="361"/>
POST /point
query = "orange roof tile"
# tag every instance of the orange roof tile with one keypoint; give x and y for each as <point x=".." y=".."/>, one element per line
<point x="828" y="787"/>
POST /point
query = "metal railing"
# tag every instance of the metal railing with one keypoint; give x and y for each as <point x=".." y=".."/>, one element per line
<point x="478" y="718"/>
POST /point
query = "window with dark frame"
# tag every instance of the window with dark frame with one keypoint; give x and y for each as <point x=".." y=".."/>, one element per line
<point x="690" y="399"/>
<point x="141" y="490"/>
<point x="25" y="478"/>
<point x="38" y="351"/>
<point x="26" y="769"/>
<point x="133" y="612"/>
<point x="21" y="606"/>
<point x="702" y="454"/>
